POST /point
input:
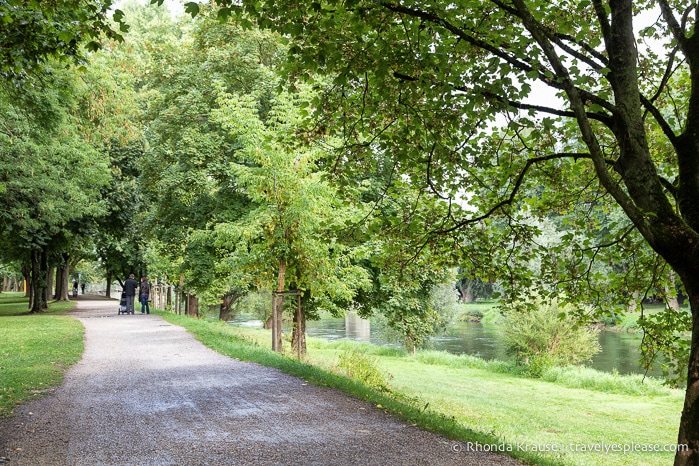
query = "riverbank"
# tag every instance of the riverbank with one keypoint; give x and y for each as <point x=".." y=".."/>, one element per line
<point x="579" y="418"/>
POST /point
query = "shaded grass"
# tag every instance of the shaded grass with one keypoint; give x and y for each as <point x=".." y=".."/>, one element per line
<point x="471" y="400"/>
<point x="35" y="349"/>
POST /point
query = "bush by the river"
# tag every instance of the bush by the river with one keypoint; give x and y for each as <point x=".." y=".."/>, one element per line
<point x="541" y="336"/>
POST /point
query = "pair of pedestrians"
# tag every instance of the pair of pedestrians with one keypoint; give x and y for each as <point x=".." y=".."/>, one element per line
<point x="130" y="285"/>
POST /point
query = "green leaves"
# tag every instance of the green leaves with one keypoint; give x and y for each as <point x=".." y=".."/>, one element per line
<point x="191" y="8"/>
<point x="297" y="212"/>
<point x="223" y="14"/>
<point x="35" y="31"/>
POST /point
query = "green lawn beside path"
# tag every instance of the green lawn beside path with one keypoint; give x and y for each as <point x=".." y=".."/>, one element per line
<point x="504" y="411"/>
<point x="533" y="414"/>
<point x="35" y="349"/>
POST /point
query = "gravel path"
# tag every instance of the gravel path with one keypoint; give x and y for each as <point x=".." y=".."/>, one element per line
<point x="147" y="393"/>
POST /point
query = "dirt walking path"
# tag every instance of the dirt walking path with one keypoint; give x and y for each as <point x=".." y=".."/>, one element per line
<point x="147" y="393"/>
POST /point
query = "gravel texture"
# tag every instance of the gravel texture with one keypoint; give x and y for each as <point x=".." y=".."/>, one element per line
<point x="147" y="393"/>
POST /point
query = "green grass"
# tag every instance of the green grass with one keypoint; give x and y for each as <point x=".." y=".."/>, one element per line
<point x="35" y="349"/>
<point x="471" y="400"/>
<point x="485" y="311"/>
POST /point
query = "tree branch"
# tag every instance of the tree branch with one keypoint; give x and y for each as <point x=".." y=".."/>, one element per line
<point x="520" y="105"/>
<point x="552" y="111"/>
<point x="658" y="116"/>
<point x="560" y="40"/>
<point x="675" y="28"/>
<point x="517" y="185"/>
<point x="603" y="21"/>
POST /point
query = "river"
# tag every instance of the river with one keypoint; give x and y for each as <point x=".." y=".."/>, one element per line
<point x="620" y="350"/>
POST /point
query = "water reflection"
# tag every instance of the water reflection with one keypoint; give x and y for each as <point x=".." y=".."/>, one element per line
<point x="620" y="350"/>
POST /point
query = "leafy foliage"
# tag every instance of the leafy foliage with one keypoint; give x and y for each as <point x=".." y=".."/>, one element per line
<point x="295" y="214"/>
<point x="540" y="336"/>
<point x="666" y="337"/>
<point x="32" y="32"/>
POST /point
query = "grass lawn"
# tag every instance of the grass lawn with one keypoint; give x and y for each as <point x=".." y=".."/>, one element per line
<point x="469" y="400"/>
<point x="35" y="349"/>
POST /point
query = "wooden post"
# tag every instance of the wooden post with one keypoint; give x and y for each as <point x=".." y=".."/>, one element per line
<point x="298" y="325"/>
<point x="277" y="306"/>
<point x="274" y="321"/>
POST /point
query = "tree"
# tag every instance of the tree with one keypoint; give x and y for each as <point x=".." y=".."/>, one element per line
<point x="187" y="183"/>
<point x="47" y="201"/>
<point x="33" y="32"/>
<point x="426" y="80"/>
<point x="290" y="235"/>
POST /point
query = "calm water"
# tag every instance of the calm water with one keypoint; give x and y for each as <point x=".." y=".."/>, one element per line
<point x="620" y="350"/>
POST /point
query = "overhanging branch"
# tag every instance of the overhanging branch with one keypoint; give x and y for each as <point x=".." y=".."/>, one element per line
<point x="517" y="185"/>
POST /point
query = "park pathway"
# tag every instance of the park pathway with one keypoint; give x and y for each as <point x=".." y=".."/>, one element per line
<point x="147" y="393"/>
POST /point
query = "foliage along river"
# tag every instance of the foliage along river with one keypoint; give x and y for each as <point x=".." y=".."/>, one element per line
<point x="620" y="350"/>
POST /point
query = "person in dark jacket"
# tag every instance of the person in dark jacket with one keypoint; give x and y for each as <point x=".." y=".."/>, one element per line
<point x="130" y="285"/>
<point x="144" y="294"/>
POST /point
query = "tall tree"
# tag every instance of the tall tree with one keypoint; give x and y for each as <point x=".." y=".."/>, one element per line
<point x="289" y="236"/>
<point x="427" y="81"/>
<point x="50" y="174"/>
<point x="187" y="183"/>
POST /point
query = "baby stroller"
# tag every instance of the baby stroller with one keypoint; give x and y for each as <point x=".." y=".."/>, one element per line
<point x="122" y="305"/>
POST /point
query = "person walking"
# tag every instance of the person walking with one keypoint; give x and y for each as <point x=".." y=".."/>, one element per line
<point x="130" y="285"/>
<point x="144" y="295"/>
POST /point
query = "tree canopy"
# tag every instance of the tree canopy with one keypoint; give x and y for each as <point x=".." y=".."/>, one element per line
<point x="33" y="32"/>
<point x="447" y="88"/>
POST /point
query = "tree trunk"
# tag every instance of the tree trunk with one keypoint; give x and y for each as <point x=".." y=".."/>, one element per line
<point x="277" y="308"/>
<point x="181" y="296"/>
<point x="227" y="303"/>
<point x="58" y="291"/>
<point x="467" y="296"/>
<point x="192" y="305"/>
<point x="689" y="422"/>
<point x="50" y="274"/>
<point x="39" y="269"/>
<point x="62" y="281"/>
<point x="65" y="278"/>
<point x="108" y="290"/>
<point x="671" y="300"/>
<point x="224" y="312"/>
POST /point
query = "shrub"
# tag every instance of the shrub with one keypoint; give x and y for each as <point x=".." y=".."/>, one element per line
<point x="546" y="335"/>
<point x="362" y="368"/>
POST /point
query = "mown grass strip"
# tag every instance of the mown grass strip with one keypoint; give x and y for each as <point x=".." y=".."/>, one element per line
<point x="35" y="349"/>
